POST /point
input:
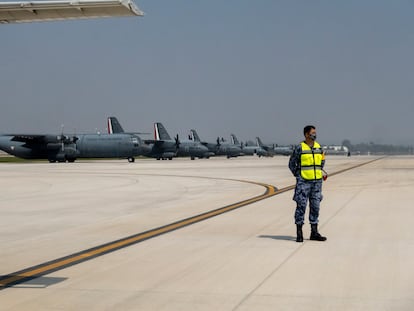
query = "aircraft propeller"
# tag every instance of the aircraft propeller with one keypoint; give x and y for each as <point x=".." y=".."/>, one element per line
<point x="65" y="140"/>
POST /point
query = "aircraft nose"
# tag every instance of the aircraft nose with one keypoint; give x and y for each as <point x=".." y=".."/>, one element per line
<point x="5" y="143"/>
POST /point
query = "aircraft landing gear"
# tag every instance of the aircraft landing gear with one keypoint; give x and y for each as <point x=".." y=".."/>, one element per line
<point x="131" y="159"/>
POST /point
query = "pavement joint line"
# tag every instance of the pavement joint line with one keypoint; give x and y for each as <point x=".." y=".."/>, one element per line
<point x="295" y="251"/>
<point x="33" y="272"/>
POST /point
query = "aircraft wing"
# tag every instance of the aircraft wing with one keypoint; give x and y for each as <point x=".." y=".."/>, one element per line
<point x="29" y="138"/>
<point x="154" y="142"/>
<point x="34" y="11"/>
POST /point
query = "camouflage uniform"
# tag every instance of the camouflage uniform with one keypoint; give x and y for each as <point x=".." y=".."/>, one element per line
<point x="305" y="190"/>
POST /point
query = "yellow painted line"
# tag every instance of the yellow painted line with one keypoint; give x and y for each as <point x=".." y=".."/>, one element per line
<point x="61" y="263"/>
<point x="58" y="264"/>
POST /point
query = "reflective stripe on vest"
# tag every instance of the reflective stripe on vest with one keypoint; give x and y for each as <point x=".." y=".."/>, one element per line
<point x="311" y="161"/>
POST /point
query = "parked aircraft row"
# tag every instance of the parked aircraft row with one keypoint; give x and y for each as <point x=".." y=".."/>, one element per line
<point x="194" y="147"/>
<point x="120" y="144"/>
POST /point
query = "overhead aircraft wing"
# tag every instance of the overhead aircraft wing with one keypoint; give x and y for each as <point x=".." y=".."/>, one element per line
<point x="34" y="11"/>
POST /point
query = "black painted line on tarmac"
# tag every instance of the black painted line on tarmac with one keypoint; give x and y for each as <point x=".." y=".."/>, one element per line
<point x="33" y="272"/>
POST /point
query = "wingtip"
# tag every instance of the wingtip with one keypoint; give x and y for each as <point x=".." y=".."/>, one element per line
<point x="133" y="7"/>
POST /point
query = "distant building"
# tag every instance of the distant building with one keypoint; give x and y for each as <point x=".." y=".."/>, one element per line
<point x="336" y="150"/>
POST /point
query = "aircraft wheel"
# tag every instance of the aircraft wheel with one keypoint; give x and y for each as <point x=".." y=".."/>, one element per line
<point x="158" y="159"/>
<point x="52" y="161"/>
<point x="131" y="160"/>
<point x="71" y="160"/>
<point x="192" y="158"/>
<point x="170" y="158"/>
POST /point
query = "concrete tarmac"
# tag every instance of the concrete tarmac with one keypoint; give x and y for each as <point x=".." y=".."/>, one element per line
<point x="245" y="259"/>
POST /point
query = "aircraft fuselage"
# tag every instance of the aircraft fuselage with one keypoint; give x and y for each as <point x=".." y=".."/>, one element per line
<point x="193" y="150"/>
<point x="54" y="148"/>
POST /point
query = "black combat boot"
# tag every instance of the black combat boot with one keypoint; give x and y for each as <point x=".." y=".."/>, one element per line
<point x="299" y="233"/>
<point x="315" y="235"/>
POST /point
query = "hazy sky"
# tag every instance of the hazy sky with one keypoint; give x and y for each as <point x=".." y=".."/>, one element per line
<point x="256" y="68"/>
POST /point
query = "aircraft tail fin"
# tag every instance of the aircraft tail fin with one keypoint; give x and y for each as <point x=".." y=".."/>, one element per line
<point x="160" y="132"/>
<point x="259" y="142"/>
<point x="234" y="140"/>
<point x="114" y="127"/>
<point x="195" y="136"/>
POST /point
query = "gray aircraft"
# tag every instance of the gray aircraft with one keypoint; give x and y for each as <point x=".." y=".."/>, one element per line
<point x="249" y="149"/>
<point x="156" y="148"/>
<point x="187" y="148"/>
<point x="163" y="144"/>
<point x="62" y="148"/>
<point x="210" y="146"/>
<point x="275" y="149"/>
<point x="219" y="148"/>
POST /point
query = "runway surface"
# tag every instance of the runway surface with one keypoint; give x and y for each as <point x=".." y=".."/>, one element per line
<point x="243" y="259"/>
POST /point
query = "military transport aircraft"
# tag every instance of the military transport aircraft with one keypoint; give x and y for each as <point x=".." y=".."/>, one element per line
<point x="163" y="147"/>
<point x="219" y="148"/>
<point x="35" y="11"/>
<point x="249" y="149"/>
<point x="62" y="148"/>
<point x="190" y="149"/>
<point x="210" y="146"/>
<point x="275" y="149"/>
<point x="157" y="148"/>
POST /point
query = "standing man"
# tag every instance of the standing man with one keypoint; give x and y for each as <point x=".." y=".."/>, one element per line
<point x="306" y="164"/>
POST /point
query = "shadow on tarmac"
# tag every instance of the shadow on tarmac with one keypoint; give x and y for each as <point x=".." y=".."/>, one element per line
<point x="278" y="237"/>
<point x="33" y="282"/>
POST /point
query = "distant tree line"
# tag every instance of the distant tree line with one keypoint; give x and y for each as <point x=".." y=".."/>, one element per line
<point x="372" y="148"/>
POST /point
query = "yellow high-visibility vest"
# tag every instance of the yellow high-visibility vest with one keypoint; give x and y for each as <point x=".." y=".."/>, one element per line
<point x="311" y="161"/>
